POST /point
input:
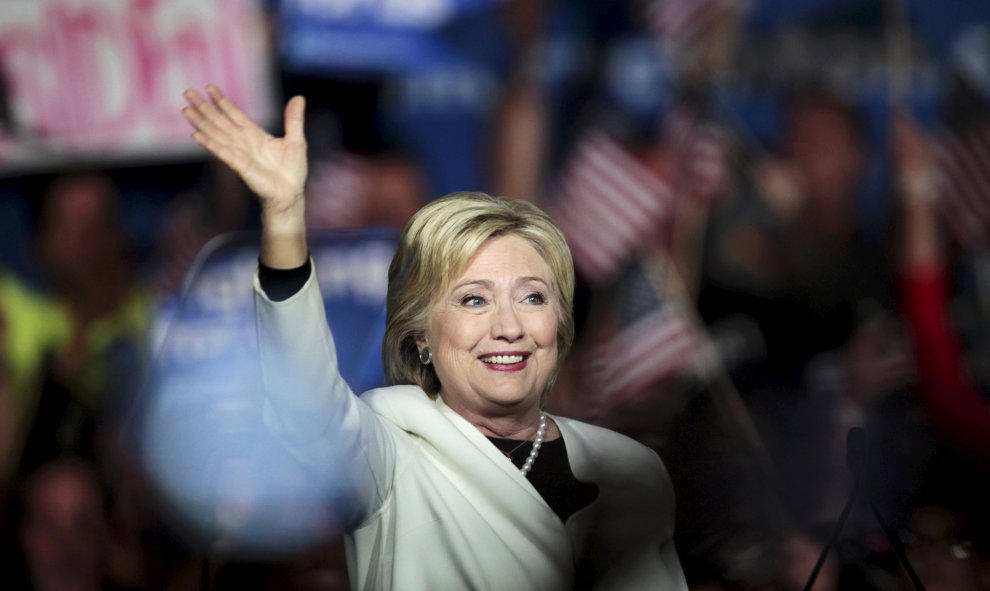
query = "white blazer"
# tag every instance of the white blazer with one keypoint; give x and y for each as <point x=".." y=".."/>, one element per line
<point x="431" y="504"/>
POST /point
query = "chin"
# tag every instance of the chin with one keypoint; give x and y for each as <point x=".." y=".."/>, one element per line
<point x="509" y="399"/>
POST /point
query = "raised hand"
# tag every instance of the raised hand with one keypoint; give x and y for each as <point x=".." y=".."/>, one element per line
<point x="914" y="169"/>
<point x="274" y="168"/>
<point x="913" y="158"/>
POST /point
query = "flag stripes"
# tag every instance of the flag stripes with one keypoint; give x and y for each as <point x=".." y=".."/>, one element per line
<point x="664" y="345"/>
<point x="610" y="203"/>
<point x="679" y="25"/>
<point x="963" y="190"/>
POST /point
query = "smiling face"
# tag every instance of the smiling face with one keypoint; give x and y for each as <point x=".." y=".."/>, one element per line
<point x="493" y="333"/>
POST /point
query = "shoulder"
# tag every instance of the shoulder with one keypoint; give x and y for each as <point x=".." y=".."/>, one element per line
<point x="630" y="475"/>
<point x="609" y="452"/>
<point x="22" y="297"/>
<point x="600" y="436"/>
<point x="30" y="314"/>
<point x="400" y="405"/>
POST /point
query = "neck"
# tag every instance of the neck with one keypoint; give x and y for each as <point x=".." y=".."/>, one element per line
<point x="510" y="423"/>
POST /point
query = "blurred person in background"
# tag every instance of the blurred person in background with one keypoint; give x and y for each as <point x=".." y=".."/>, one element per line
<point x="946" y="534"/>
<point x="792" y="253"/>
<point x="29" y="330"/>
<point x="944" y="234"/>
<point x="64" y="538"/>
<point x="77" y="348"/>
<point x="100" y="319"/>
<point x="28" y="333"/>
<point x="948" y="391"/>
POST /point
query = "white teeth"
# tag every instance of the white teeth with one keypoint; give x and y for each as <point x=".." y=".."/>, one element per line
<point x="503" y="359"/>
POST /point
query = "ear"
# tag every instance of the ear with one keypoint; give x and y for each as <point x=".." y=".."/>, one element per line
<point x="421" y="342"/>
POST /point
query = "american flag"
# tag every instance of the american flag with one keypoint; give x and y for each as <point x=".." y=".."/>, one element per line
<point x="610" y="203"/>
<point x="652" y="338"/>
<point x="679" y="25"/>
<point x="963" y="184"/>
<point x="336" y="192"/>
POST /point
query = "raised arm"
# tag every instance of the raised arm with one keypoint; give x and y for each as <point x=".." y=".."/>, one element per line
<point x="947" y="391"/>
<point x="308" y="405"/>
<point x="274" y="168"/>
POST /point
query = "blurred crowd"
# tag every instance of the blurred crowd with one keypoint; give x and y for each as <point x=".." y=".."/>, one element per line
<point x="781" y="232"/>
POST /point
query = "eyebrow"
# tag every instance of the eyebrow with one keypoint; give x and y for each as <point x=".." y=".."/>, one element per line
<point x="487" y="284"/>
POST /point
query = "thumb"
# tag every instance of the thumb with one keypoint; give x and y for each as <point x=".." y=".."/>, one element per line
<point x="295" y="118"/>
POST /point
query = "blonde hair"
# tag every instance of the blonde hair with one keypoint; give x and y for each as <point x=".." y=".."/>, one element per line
<point x="436" y="246"/>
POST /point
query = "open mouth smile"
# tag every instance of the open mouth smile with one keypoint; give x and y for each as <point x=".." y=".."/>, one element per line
<point x="505" y="360"/>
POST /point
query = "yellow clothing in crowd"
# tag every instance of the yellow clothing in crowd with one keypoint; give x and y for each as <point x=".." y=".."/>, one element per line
<point x="36" y="325"/>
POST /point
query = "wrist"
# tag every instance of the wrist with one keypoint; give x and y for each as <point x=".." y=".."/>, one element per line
<point x="290" y="213"/>
<point x="283" y="235"/>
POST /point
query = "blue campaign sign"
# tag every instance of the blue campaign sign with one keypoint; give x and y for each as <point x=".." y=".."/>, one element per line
<point x="216" y="310"/>
<point x="369" y="35"/>
<point x="199" y="422"/>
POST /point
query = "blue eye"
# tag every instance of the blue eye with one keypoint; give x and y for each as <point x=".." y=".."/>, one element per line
<point x="472" y="300"/>
<point x="535" y="298"/>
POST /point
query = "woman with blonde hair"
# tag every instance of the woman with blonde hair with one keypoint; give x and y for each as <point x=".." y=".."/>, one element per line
<point x="456" y="477"/>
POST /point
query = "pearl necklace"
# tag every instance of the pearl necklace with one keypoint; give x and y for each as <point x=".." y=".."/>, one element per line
<point x="537" y="442"/>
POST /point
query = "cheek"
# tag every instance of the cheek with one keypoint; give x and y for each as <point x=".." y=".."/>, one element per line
<point x="545" y="331"/>
<point x="454" y="335"/>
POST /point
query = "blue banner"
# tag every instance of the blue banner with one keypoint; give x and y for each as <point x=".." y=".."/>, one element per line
<point x="371" y="35"/>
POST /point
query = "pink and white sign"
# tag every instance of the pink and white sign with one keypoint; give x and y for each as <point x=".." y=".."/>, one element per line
<point x="103" y="79"/>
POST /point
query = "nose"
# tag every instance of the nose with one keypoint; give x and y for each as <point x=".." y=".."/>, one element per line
<point x="507" y="325"/>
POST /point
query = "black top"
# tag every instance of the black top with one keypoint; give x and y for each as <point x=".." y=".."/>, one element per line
<point x="550" y="475"/>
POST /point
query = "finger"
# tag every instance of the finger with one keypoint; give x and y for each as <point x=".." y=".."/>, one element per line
<point x="204" y="125"/>
<point x="227" y="106"/>
<point x="201" y="105"/>
<point x="295" y="111"/>
<point x="196" y="100"/>
<point x="209" y="111"/>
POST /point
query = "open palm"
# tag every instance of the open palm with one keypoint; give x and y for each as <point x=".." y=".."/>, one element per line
<point x="274" y="168"/>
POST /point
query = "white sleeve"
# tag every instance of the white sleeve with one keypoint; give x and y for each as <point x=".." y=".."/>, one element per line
<point x="310" y="407"/>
